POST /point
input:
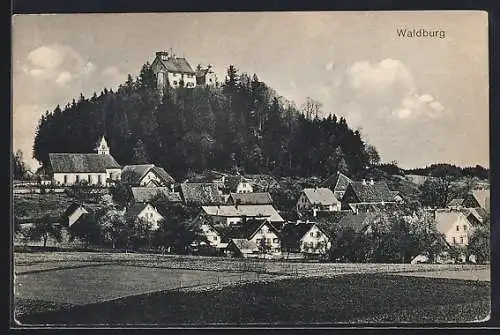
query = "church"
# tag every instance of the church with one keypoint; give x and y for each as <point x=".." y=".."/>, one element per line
<point x="91" y="168"/>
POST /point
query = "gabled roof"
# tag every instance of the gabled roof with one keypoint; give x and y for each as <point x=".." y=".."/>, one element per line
<point x="256" y="198"/>
<point x="242" y="231"/>
<point x="337" y="181"/>
<point x="250" y="211"/>
<point x="293" y="232"/>
<point x="482" y="197"/>
<point x="200" y="193"/>
<point x="177" y="65"/>
<point x="243" y="245"/>
<point x="320" y="196"/>
<point x="446" y="220"/>
<point x="146" y="194"/>
<point x="365" y="192"/>
<point x="480" y="214"/>
<point x="83" y="163"/>
<point x="356" y="222"/>
<point x="135" y="173"/>
<point x="134" y="210"/>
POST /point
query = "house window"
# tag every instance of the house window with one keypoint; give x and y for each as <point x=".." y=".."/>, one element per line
<point x="276" y="240"/>
<point x="175" y="82"/>
<point x="99" y="179"/>
<point x="65" y="178"/>
<point x="454" y="240"/>
<point x="458" y="228"/>
<point x="268" y="241"/>
<point x="461" y="240"/>
<point x="257" y="241"/>
<point x="318" y="234"/>
<point x="77" y="178"/>
<point x="312" y="234"/>
<point x="90" y="178"/>
<point x="465" y="227"/>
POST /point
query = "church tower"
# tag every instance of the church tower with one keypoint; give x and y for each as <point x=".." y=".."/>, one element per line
<point x="103" y="148"/>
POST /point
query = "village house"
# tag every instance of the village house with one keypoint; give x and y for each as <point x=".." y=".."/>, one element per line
<point x="146" y="194"/>
<point x="254" y="198"/>
<point x="473" y="199"/>
<point x="455" y="226"/>
<point x="146" y="175"/>
<point x="205" y="76"/>
<point x="233" y="214"/>
<point x="172" y="71"/>
<point x="305" y="238"/>
<point x="338" y="183"/>
<point x="261" y="237"/>
<point x="144" y="211"/>
<point x="92" y="168"/>
<point x="198" y="194"/>
<point x="365" y="195"/>
<point x="73" y="213"/>
<point x="236" y="184"/>
<point x="317" y="200"/>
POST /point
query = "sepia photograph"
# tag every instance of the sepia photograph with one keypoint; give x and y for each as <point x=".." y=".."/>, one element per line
<point x="250" y="169"/>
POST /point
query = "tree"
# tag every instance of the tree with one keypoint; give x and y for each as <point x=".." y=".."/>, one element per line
<point x="19" y="168"/>
<point x="121" y="192"/>
<point x="373" y="155"/>
<point x="479" y="242"/>
<point x="312" y="108"/>
<point x="43" y="229"/>
<point x="113" y="231"/>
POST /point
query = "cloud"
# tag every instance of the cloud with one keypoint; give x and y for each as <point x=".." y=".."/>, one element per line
<point x="64" y="78"/>
<point x="389" y="88"/>
<point x="56" y="63"/>
<point x="329" y="66"/>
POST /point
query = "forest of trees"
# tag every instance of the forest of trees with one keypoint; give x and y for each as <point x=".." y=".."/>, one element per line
<point x="241" y="125"/>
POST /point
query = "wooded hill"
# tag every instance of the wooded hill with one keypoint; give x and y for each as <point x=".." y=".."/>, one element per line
<point x="243" y="124"/>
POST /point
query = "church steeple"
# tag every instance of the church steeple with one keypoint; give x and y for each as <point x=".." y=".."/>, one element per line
<point x="103" y="148"/>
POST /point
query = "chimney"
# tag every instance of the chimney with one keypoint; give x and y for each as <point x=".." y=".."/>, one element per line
<point x="363" y="182"/>
<point x="371" y="181"/>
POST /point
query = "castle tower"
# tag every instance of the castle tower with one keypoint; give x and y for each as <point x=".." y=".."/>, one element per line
<point x="103" y="148"/>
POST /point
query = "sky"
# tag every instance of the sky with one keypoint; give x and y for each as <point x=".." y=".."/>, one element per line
<point x="418" y="100"/>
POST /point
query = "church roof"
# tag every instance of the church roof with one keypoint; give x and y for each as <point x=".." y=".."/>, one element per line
<point x="81" y="163"/>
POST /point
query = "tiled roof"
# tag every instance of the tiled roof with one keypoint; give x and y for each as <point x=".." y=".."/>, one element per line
<point x="84" y="163"/>
<point x="146" y="194"/>
<point x="244" y="246"/>
<point x="482" y="197"/>
<point x="201" y="193"/>
<point x="356" y="222"/>
<point x="266" y="211"/>
<point x="378" y="192"/>
<point x="292" y="233"/>
<point x="134" y="173"/>
<point x="320" y="196"/>
<point x="337" y="181"/>
<point x="256" y="198"/>
<point x="135" y="210"/>
<point x="178" y="65"/>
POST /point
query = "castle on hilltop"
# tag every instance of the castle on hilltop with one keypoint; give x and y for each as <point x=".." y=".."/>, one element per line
<point x="172" y="71"/>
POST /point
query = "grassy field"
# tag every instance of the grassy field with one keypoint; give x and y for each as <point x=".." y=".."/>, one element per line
<point x="60" y="285"/>
<point x="362" y="298"/>
<point x="37" y="205"/>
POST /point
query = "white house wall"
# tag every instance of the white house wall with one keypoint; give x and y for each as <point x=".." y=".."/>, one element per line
<point x="71" y="178"/>
<point x="461" y="235"/>
<point x="244" y="187"/>
<point x="151" y="215"/>
<point x="271" y="238"/>
<point x="310" y="241"/>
